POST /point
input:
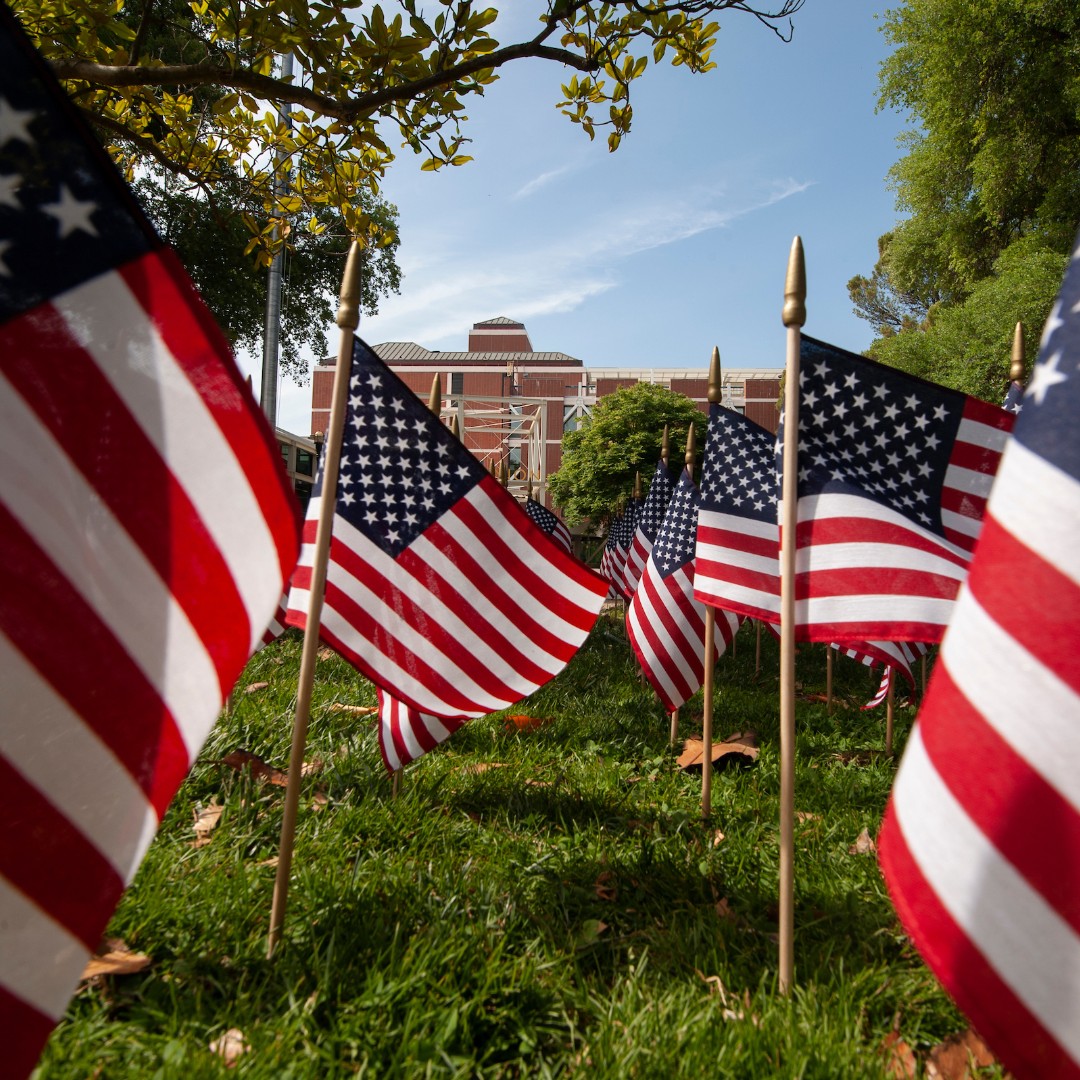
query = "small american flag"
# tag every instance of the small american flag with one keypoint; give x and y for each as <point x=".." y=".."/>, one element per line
<point x="981" y="841"/>
<point x="406" y="734"/>
<point x="548" y="522"/>
<point x="439" y="588"/>
<point x="1014" y="397"/>
<point x="737" y="536"/>
<point x="900" y="655"/>
<point x="664" y="622"/>
<point x="146" y="533"/>
<point x="624" y="537"/>
<point x="883" y="689"/>
<point x="894" y="474"/>
<point x="648" y="524"/>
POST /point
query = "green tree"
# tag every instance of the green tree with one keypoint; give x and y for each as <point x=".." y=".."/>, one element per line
<point x="989" y="182"/>
<point x="193" y="86"/>
<point x="621" y="437"/>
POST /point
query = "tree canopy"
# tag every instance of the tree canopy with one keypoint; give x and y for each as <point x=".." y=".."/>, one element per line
<point x="990" y="180"/>
<point x="622" y="436"/>
<point x="194" y="87"/>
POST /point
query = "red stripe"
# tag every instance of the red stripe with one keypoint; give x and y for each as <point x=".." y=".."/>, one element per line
<point x="1017" y="1037"/>
<point x="867" y="579"/>
<point x="43" y="854"/>
<point x="714" y="534"/>
<point x="975" y="458"/>
<point x="856" y="529"/>
<point x="657" y="655"/>
<point x="125" y="469"/>
<point x="163" y="288"/>
<point x="984" y="413"/>
<point x="981" y="769"/>
<point x="857" y="630"/>
<point x="76" y="653"/>
<point x="1033" y="602"/>
<point x="27" y="1032"/>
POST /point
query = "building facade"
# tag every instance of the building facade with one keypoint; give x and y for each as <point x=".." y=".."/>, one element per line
<point x="515" y="403"/>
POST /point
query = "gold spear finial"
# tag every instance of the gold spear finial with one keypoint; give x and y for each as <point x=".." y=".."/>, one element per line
<point x="504" y="472"/>
<point x="716" y="386"/>
<point x="691" y="449"/>
<point x="435" y="398"/>
<point x="665" y="446"/>
<point x="348" y="312"/>
<point x="453" y="425"/>
<point x="528" y="488"/>
<point x="637" y="485"/>
<point x="1016" y="364"/>
<point x="795" y="286"/>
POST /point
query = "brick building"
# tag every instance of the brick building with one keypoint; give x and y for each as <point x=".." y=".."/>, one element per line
<point x="514" y="401"/>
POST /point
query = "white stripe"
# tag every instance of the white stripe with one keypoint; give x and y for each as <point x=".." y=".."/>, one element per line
<point x="1029" y="945"/>
<point x="708" y="555"/>
<point x="111" y="325"/>
<point x="70" y="523"/>
<point x="977" y="650"/>
<point x="961" y="523"/>
<point x="644" y="613"/>
<point x="875" y="558"/>
<point x="868" y="607"/>
<point x="980" y="434"/>
<point x="717" y="593"/>
<point x="717" y="519"/>
<point x="42" y="961"/>
<point x="1037" y="503"/>
<point x="969" y="481"/>
<point x="63" y="758"/>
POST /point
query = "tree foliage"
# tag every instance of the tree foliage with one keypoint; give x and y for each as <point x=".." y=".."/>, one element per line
<point x="622" y="436"/>
<point x="193" y="86"/>
<point x="989" y="182"/>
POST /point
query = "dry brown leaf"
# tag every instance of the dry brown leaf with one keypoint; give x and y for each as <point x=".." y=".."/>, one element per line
<point x="805" y="815"/>
<point x="310" y="767"/>
<point x="520" y="722"/>
<point x="114" y="958"/>
<point x="482" y="766"/>
<point x="326" y="653"/>
<point x="354" y="710"/>
<point x="230" y="1047"/>
<point x="241" y="759"/>
<point x="958" y="1057"/>
<point x="718" y="838"/>
<point x="206" y="821"/>
<point x="319" y="800"/>
<point x="740" y="748"/>
<point x="725" y="911"/>
<point x="272" y="861"/>
<point x="605" y="887"/>
<point x="864" y="844"/>
<point x="252" y="687"/>
<point x="900" y="1063"/>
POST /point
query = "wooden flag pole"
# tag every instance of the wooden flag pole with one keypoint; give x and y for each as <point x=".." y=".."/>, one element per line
<point x="709" y="657"/>
<point x="794" y="316"/>
<point x="348" y="319"/>
<point x="829" y="650"/>
<point x="890" y="706"/>
<point x="674" y="726"/>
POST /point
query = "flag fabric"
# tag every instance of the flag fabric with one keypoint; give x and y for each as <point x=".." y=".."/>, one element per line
<point x="894" y="474"/>
<point x="624" y="537"/>
<point x="664" y="622"/>
<point x="1014" y="397"/>
<point x="548" y="522"/>
<point x="737" y="567"/>
<point x="900" y="655"/>
<point x="277" y="626"/>
<point x="439" y="588"/>
<point x="147" y="532"/>
<point x="406" y="734"/>
<point x="649" y="521"/>
<point x="883" y="689"/>
<point x="607" y="559"/>
<point x="981" y="841"/>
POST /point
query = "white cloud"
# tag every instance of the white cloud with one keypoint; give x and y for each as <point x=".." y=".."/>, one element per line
<point x="538" y="182"/>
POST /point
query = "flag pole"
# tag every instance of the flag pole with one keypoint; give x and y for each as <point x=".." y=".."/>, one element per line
<point x="794" y="316"/>
<point x="890" y="706"/>
<point x="1017" y="360"/>
<point x="708" y="660"/>
<point x="829" y="650"/>
<point x="348" y="318"/>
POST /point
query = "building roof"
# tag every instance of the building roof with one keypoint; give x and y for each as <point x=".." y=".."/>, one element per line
<point x="408" y="352"/>
<point x="500" y="320"/>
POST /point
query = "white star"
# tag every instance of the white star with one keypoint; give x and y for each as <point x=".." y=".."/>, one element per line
<point x="14" y="124"/>
<point x="9" y="186"/>
<point x="1044" y="377"/>
<point x="4" y="270"/>
<point x="71" y="213"/>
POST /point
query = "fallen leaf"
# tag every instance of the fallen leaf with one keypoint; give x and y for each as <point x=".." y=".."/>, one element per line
<point x="326" y="653"/>
<point x="272" y="861"/>
<point x="252" y="687"/>
<point x="900" y="1063"/>
<point x="114" y="958"/>
<point x="319" y="800"/>
<point x="206" y="821"/>
<point x="241" y="759"/>
<point x="740" y="748"/>
<point x="864" y="844"/>
<point x="520" y="722"/>
<point x="230" y="1046"/>
<point x="805" y="815"/>
<point x="958" y="1057"/>
<point x="482" y="766"/>
<point x="718" y="838"/>
<point x="310" y="767"/>
<point x="725" y="911"/>
<point x="605" y="887"/>
<point x="354" y="710"/>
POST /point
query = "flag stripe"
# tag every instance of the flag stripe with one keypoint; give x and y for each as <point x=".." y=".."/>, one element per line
<point x="33" y="1026"/>
<point x="664" y="649"/>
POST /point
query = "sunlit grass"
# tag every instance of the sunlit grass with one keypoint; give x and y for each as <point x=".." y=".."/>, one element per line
<point x="567" y="913"/>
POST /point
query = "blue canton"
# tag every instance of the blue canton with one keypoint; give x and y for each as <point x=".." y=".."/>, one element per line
<point x="677" y="539"/>
<point x="875" y="431"/>
<point x="1047" y="426"/>
<point x="65" y="214"/>
<point x="739" y="469"/>
<point x="656" y="502"/>
<point x="401" y="469"/>
<point x="541" y="515"/>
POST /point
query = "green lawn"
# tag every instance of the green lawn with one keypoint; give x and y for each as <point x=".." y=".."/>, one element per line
<point x="568" y="913"/>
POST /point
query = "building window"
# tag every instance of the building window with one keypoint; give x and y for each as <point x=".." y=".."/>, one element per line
<point x="457" y="382"/>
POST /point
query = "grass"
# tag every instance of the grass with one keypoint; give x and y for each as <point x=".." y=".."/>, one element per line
<point x="568" y="913"/>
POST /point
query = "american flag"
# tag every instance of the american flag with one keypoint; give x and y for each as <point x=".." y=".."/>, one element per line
<point x="147" y="532"/>
<point x="549" y="523"/>
<point x="1014" y="397"/>
<point x="664" y="622"/>
<point x="738" y="550"/>
<point x="439" y="588"/>
<point x="894" y="474"/>
<point x="624" y="537"/>
<point x="277" y="626"/>
<point x="649" y="521"/>
<point x="883" y="689"/>
<point x="406" y="734"/>
<point x="981" y="841"/>
<point x="900" y="655"/>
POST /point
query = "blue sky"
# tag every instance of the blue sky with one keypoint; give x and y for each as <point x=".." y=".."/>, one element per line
<point x="678" y="241"/>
